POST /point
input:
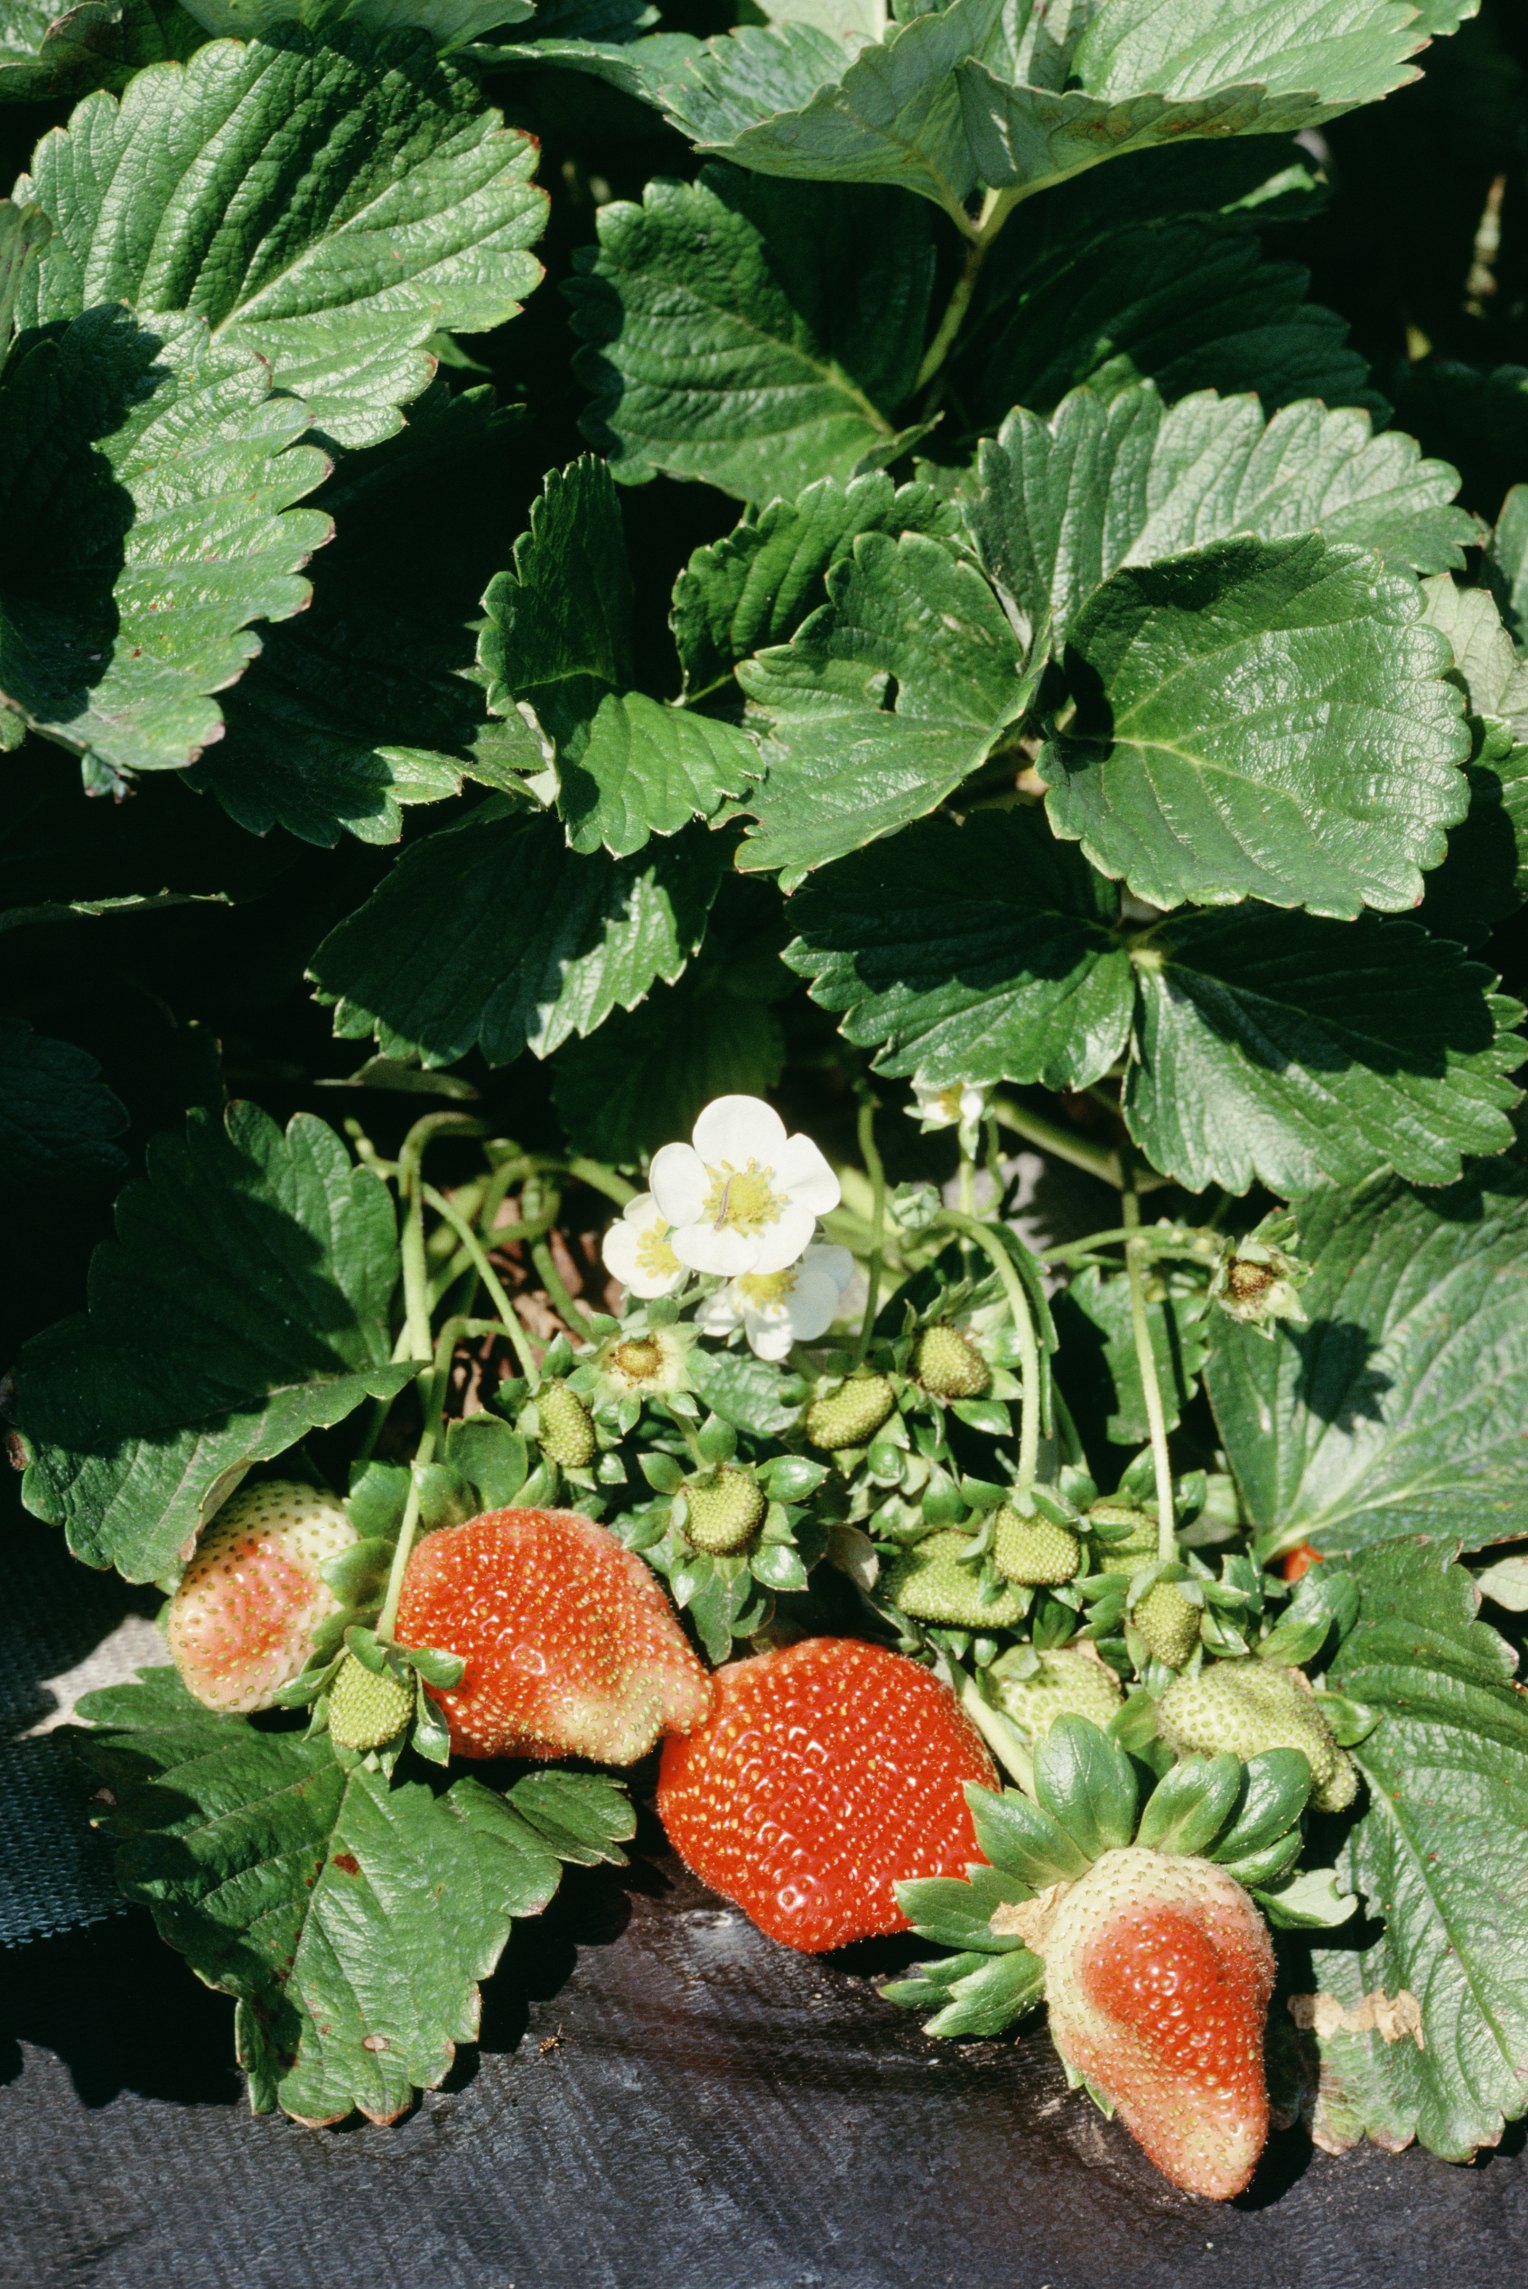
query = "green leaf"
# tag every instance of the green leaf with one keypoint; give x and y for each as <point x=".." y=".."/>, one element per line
<point x="1485" y="875"/>
<point x="57" y="1116"/>
<point x="559" y="640"/>
<point x="49" y="50"/>
<point x="1189" y="304"/>
<point x="313" y="1894"/>
<point x="754" y="1395"/>
<point x="794" y="101"/>
<point x="1438" y="1855"/>
<point x="1100" y="1371"/>
<point x="24" y="232"/>
<point x="957" y="1911"/>
<point x="1086" y="1781"/>
<point x="529" y="944"/>
<point x="1506" y="565"/>
<point x="642" y="1079"/>
<point x="585" y="1816"/>
<point x="748" y="333"/>
<point x="1281" y="1048"/>
<point x="1022" y="1839"/>
<point x="1398" y="1411"/>
<point x="371" y="699"/>
<point x="155" y="474"/>
<point x="1189" y="1806"/>
<point x="988" y="2000"/>
<point x="1275" y="1787"/>
<point x="889" y="696"/>
<point x="449" y="23"/>
<point x="327" y="207"/>
<point x="242" y="1304"/>
<point x="1157" y="71"/>
<point x="756" y="585"/>
<point x="490" y="1456"/>
<point x="1259" y="719"/>
<point x="976" y="953"/>
<point x="1061" y="505"/>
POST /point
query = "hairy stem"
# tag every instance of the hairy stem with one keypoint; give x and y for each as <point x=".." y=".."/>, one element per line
<point x="981" y="1236"/>
<point x="870" y="1154"/>
<point x="1065" y="1144"/>
<point x="1136" y="1257"/>
<point x="996" y="208"/>
<point x="476" y="1254"/>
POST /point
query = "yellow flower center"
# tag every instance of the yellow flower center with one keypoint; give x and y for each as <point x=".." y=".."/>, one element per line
<point x="638" y="1359"/>
<point x="741" y="1199"/>
<point x="947" y="1102"/>
<point x="762" y="1289"/>
<point x="654" y="1255"/>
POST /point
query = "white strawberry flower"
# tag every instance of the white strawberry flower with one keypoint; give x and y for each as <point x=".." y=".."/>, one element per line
<point x="777" y="1309"/>
<point x="742" y="1196"/>
<point x="637" y="1252"/>
<point x="957" y="1106"/>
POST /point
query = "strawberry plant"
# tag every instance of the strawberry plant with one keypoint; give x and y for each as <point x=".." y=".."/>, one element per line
<point x="604" y="602"/>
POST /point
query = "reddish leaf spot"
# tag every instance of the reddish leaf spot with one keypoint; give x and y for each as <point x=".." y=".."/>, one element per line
<point x="347" y="1863"/>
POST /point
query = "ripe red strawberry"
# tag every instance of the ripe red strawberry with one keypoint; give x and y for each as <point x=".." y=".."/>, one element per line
<point x="570" y="1645"/>
<point x="1298" y="1561"/>
<point x="1158" y="1971"/>
<point x="826" y="1772"/>
<point x="241" y="1623"/>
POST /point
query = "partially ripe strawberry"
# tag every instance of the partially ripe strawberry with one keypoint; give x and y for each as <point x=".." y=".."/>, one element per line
<point x="242" y="1622"/>
<point x="571" y="1647"/>
<point x="826" y="1773"/>
<point x="1158" y="1970"/>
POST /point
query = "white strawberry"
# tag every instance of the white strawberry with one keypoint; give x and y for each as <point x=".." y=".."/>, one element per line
<point x="242" y="1622"/>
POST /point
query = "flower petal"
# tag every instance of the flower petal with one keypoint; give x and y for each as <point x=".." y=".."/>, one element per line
<point x="813" y="1303"/>
<point x="781" y="1243"/>
<point x="680" y="1183"/>
<point x="802" y="1173"/>
<point x="739" y="1129"/>
<point x="720" y="1313"/>
<point x="769" y="1333"/>
<point x="836" y="1262"/>
<point x="705" y="1249"/>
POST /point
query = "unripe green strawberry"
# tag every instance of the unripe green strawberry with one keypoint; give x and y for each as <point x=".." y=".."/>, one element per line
<point x="566" y="1429"/>
<point x="949" y="1364"/>
<point x="1134" y="1549"/>
<point x="1070" y="1681"/>
<point x="1168" y="1625"/>
<point x="930" y="1582"/>
<point x="1033" y="1550"/>
<point x="851" y="1415"/>
<point x="1158" y="1970"/>
<point x="1245" y="1707"/>
<point x="367" y="1707"/>
<point x="244" y="1619"/>
<point x="723" y="1512"/>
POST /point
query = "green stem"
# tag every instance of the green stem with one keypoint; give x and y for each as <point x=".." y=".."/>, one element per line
<point x="476" y="1255"/>
<point x="1146" y="1359"/>
<point x="1000" y="1733"/>
<point x="996" y="208"/>
<point x="870" y="1154"/>
<point x="1175" y="1240"/>
<point x="1065" y="1144"/>
<point x="569" y="1309"/>
<point x="594" y="1173"/>
<point x="1024" y="1327"/>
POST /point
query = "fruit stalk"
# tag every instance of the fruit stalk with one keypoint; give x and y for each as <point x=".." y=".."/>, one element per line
<point x="1151" y="1389"/>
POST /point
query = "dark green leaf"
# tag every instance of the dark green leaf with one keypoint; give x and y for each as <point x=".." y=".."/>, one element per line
<point x="1086" y="1781"/>
<point x="584" y="1816"/>
<point x="57" y="1116"/>
<point x="1398" y="1410"/>
<point x="559" y="641"/>
<point x="1020" y="1839"/>
<point x="957" y="1911"/>
<point x="154" y="473"/>
<point x="1260" y="719"/>
<point x="243" y="1303"/>
<point x="754" y="587"/>
<point x="1282" y="1048"/>
<point x="315" y="1895"/>
<point x="988" y="2000"/>
<point x="324" y="206"/>
<point x="1438" y="1854"/>
<point x="1275" y="1786"/>
<point x="888" y="697"/>
<point x="751" y="334"/>
<point x="530" y="944"/>
<point x="976" y="953"/>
